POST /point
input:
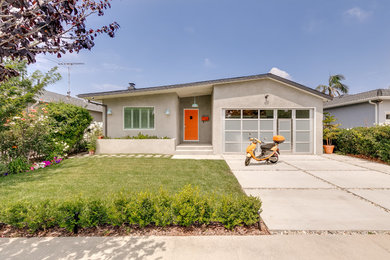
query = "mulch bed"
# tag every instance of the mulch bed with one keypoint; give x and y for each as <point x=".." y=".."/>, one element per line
<point x="125" y="230"/>
<point x="368" y="158"/>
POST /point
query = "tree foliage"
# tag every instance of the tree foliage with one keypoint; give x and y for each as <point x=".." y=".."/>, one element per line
<point x="334" y="87"/>
<point x="330" y="130"/>
<point x="30" y="27"/>
<point x="17" y="92"/>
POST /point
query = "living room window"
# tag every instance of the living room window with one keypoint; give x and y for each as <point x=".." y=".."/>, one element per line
<point x="139" y="117"/>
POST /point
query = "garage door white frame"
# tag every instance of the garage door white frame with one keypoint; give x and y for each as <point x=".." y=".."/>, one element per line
<point x="296" y="132"/>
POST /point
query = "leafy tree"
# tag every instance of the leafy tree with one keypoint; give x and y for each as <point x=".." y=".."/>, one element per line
<point x="30" y="27"/>
<point x="334" y="87"/>
<point x="17" y="92"/>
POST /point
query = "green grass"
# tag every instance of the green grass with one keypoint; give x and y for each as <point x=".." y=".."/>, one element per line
<point x="100" y="178"/>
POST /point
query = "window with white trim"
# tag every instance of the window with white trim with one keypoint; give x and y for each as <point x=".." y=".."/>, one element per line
<point x="387" y="116"/>
<point x="139" y="118"/>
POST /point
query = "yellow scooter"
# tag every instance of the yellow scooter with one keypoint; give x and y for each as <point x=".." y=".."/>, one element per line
<point x="269" y="152"/>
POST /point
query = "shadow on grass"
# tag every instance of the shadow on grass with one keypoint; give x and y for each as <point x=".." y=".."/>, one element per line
<point x="81" y="248"/>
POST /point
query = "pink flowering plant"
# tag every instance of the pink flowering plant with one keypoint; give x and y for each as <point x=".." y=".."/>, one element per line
<point x="26" y="138"/>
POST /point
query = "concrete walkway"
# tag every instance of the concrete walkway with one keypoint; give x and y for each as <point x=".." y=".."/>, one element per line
<point x="211" y="247"/>
<point x="311" y="192"/>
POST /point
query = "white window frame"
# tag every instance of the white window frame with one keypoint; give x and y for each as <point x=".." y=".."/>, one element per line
<point x="387" y="120"/>
<point x="133" y="129"/>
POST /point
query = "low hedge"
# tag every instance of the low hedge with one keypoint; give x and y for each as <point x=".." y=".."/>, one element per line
<point x="369" y="141"/>
<point x="185" y="208"/>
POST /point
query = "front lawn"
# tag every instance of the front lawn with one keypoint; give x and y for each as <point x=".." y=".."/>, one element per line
<point x="99" y="178"/>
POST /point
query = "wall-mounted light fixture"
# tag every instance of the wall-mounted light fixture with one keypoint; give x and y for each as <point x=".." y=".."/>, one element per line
<point x="167" y="112"/>
<point x="266" y="99"/>
<point x="109" y="111"/>
<point x="195" y="105"/>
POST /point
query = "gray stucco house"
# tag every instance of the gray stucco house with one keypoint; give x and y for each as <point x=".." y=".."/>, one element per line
<point x="363" y="109"/>
<point x="94" y="110"/>
<point x="221" y="113"/>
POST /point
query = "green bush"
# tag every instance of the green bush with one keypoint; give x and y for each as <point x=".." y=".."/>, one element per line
<point x="187" y="207"/>
<point x="369" y="141"/>
<point x="3" y="168"/>
<point x="69" y="123"/>
<point x="144" y="136"/>
<point x="18" y="165"/>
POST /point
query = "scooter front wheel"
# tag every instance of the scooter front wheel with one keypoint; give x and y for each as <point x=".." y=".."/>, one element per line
<point x="247" y="161"/>
<point x="274" y="158"/>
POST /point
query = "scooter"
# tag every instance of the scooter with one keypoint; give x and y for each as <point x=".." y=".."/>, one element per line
<point x="269" y="152"/>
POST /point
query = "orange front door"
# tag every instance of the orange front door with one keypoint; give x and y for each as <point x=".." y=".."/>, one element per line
<point x="191" y="119"/>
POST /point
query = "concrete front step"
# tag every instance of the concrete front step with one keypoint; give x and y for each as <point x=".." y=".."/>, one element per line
<point x="194" y="152"/>
<point x="194" y="148"/>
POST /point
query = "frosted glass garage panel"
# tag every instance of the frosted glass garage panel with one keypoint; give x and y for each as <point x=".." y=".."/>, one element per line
<point x="249" y="124"/>
<point x="302" y="124"/>
<point x="233" y="125"/>
<point x="266" y="137"/>
<point x="286" y="134"/>
<point x="232" y="148"/>
<point x="302" y="136"/>
<point x="233" y="136"/>
<point x="284" y="125"/>
<point x="302" y="148"/>
<point x="285" y="146"/>
<point x="247" y="135"/>
<point x="266" y="125"/>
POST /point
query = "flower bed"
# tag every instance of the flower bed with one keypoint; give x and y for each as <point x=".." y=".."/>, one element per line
<point x="36" y="166"/>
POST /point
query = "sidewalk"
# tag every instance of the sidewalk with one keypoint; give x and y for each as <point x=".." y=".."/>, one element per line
<point x="206" y="247"/>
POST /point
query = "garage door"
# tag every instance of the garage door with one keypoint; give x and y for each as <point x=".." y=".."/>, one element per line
<point x="296" y="125"/>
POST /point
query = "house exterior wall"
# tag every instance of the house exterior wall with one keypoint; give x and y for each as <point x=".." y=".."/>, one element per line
<point x="384" y="108"/>
<point x="355" y="115"/>
<point x="97" y="116"/>
<point x="164" y="125"/>
<point x="205" y="129"/>
<point x="251" y="94"/>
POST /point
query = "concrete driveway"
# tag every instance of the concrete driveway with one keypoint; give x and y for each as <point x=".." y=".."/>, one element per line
<point x="312" y="192"/>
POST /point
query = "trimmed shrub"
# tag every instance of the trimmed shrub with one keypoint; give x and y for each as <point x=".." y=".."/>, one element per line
<point x="69" y="123"/>
<point x="369" y="141"/>
<point x="187" y="207"/>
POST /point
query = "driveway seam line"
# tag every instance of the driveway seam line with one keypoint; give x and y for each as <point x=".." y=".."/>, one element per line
<point x="343" y="189"/>
<point x="358" y="165"/>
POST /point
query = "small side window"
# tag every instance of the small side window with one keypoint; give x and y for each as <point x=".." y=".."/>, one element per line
<point x="388" y="116"/>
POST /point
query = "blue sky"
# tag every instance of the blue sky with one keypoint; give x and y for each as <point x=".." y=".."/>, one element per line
<point x="174" y="41"/>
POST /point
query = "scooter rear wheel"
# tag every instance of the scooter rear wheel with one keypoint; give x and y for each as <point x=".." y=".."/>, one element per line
<point x="247" y="161"/>
<point x="274" y="158"/>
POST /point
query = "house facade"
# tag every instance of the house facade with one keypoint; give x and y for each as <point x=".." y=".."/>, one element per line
<point x="363" y="109"/>
<point x="223" y="113"/>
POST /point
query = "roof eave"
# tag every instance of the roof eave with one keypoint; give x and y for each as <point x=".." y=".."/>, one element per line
<point x="271" y="76"/>
<point x="357" y="101"/>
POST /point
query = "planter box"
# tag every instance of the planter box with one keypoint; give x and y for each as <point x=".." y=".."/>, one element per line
<point x="146" y="146"/>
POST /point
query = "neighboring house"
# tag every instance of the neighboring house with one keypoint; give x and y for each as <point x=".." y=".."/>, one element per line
<point x="96" y="111"/>
<point x="363" y="109"/>
<point x="223" y="113"/>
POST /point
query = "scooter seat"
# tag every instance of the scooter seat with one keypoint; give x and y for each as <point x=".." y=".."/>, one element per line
<point x="267" y="146"/>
